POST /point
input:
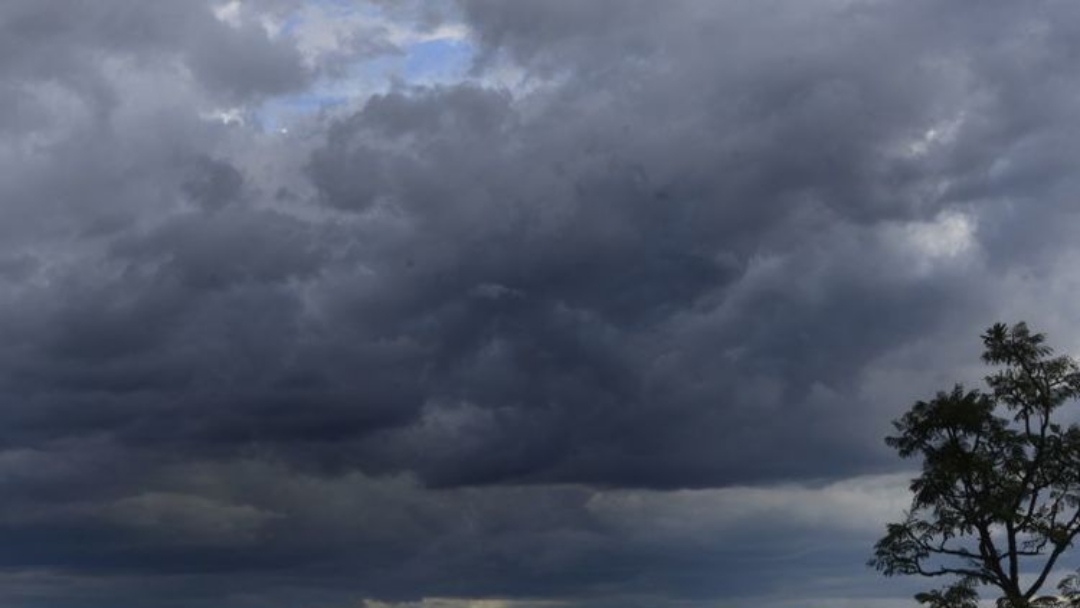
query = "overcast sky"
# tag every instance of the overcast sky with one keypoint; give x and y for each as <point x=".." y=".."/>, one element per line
<point x="505" y="303"/>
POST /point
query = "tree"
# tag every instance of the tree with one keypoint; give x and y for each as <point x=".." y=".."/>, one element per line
<point x="998" y="501"/>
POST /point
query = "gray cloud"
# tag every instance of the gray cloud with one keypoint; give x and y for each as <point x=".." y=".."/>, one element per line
<point x="619" y="318"/>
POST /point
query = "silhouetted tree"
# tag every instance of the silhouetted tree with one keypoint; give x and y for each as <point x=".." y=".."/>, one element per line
<point x="998" y="500"/>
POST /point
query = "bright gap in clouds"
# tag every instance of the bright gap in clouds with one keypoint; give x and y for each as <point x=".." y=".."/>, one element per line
<point x="359" y="50"/>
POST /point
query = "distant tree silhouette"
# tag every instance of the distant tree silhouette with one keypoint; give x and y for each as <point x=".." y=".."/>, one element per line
<point x="998" y="500"/>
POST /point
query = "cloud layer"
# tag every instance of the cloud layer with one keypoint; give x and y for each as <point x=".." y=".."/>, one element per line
<point x="297" y="308"/>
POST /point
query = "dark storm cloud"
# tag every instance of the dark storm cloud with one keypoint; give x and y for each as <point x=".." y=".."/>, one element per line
<point x="469" y="340"/>
<point x="609" y="224"/>
<point x="230" y="531"/>
<point x="61" y="40"/>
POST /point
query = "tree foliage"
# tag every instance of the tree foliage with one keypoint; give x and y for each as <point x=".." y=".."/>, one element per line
<point x="998" y="501"/>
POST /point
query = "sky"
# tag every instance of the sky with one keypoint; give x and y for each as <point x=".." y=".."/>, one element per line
<point x="506" y="304"/>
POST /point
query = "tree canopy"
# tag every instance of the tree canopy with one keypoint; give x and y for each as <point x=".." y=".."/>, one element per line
<point x="997" y="503"/>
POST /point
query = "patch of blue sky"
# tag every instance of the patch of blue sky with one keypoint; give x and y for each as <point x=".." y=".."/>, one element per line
<point x="289" y="25"/>
<point x="338" y="8"/>
<point x="277" y="113"/>
<point x="437" y="61"/>
<point x="422" y="61"/>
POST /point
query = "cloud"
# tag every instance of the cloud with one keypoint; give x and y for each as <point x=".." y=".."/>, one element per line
<point x="200" y="527"/>
<point x="189" y="519"/>
<point x="857" y="505"/>
<point x="624" y="327"/>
